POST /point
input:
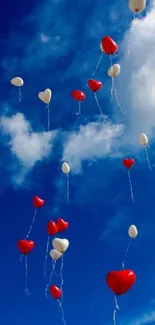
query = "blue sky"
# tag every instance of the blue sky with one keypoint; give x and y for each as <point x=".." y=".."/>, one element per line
<point x="55" y="44"/>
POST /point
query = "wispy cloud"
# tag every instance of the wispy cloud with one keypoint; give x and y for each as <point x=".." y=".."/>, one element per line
<point x="143" y="315"/>
<point x="26" y="147"/>
<point x="92" y="141"/>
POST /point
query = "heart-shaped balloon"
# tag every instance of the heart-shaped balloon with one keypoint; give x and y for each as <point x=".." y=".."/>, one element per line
<point x="78" y="95"/>
<point x="55" y="255"/>
<point x="128" y="163"/>
<point x="51" y="228"/>
<point x="55" y="292"/>
<point x="37" y="202"/>
<point x="94" y="85"/>
<point x="120" y="281"/>
<point x="25" y="246"/>
<point x="60" y="245"/>
<point x="45" y="96"/>
<point x="61" y="224"/>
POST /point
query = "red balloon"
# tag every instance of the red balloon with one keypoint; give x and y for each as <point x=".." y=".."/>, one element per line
<point x="51" y="228"/>
<point x="37" y="202"/>
<point x="61" y="224"/>
<point x="55" y="292"/>
<point x="108" y="45"/>
<point x="120" y="281"/>
<point x="128" y="163"/>
<point x="78" y="95"/>
<point x="25" y="246"/>
<point x="94" y="85"/>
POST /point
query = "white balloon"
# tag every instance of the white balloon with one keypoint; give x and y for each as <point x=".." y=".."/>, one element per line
<point x="137" y="6"/>
<point x="45" y="96"/>
<point x="144" y="139"/>
<point x="17" y="81"/>
<point x="55" y="255"/>
<point x="132" y="232"/>
<point x="65" y="168"/>
<point x="60" y="245"/>
<point x="114" y="70"/>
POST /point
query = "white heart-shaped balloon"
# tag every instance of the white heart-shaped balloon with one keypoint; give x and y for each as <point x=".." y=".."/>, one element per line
<point x="55" y="255"/>
<point x="60" y="245"/>
<point x="17" y="81"/>
<point x="45" y="96"/>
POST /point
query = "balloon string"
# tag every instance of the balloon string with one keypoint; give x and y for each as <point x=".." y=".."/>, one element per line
<point x="148" y="159"/>
<point x="112" y="88"/>
<point x="117" y="100"/>
<point x="97" y="65"/>
<point x="111" y="60"/>
<point x="130" y="183"/>
<point x="67" y="188"/>
<point x="132" y="29"/>
<point x="98" y="104"/>
<point x="50" y="278"/>
<point x="126" y="253"/>
<point x="20" y="94"/>
<point x="62" y="312"/>
<point x="61" y="274"/>
<point x="79" y="108"/>
<point x="33" y="220"/>
<point x="48" y="117"/>
<point x="46" y="255"/>
<point x="115" y="311"/>
<point x="26" y="288"/>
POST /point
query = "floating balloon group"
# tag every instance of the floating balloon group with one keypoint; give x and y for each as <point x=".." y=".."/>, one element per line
<point x="119" y="281"/>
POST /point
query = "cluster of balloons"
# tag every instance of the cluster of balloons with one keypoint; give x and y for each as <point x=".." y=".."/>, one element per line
<point x="59" y="245"/>
<point x="119" y="281"/>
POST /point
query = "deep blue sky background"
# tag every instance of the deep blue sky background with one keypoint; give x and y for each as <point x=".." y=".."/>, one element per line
<point x="100" y="209"/>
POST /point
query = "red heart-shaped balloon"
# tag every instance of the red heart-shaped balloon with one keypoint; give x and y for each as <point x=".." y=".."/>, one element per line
<point x="78" y="95"/>
<point x="51" y="228"/>
<point x="55" y="292"/>
<point x="61" y="224"/>
<point x="37" y="202"/>
<point x="108" y="45"/>
<point x="128" y="163"/>
<point x="25" y="246"/>
<point x="94" y="85"/>
<point x="120" y="281"/>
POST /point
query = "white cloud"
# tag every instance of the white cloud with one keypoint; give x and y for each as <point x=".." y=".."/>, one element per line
<point x="138" y="77"/>
<point x="144" y="318"/>
<point x="26" y="146"/>
<point x="92" y="141"/>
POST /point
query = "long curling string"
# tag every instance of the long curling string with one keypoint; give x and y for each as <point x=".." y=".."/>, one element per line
<point x="48" y="117"/>
<point x="47" y="249"/>
<point x="147" y="156"/>
<point x="117" y="100"/>
<point x="68" y="188"/>
<point x="79" y="108"/>
<point x="97" y="65"/>
<point x="132" y="29"/>
<point x="33" y="220"/>
<point x="112" y="88"/>
<point x="62" y="312"/>
<point x="126" y="253"/>
<point x="20" y="95"/>
<point x="115" y="311"/>
<point x="48" y="284"/>
<point x="61" y="275"/>
<point x="130" y="183"/>
<point x="98" y="104"/>
<point x="26" y="288"/>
